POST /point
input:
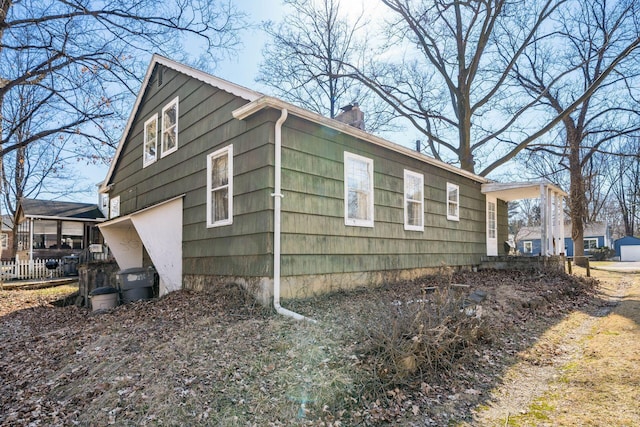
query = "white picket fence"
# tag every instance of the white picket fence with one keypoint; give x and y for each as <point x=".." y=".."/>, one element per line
<point x="25" y="269"/>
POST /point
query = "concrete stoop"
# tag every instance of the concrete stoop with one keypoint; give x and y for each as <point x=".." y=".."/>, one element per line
<point x="523" y="263"/>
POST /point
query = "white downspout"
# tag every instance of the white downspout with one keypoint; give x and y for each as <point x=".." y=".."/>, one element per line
<point x="277" y="195"/>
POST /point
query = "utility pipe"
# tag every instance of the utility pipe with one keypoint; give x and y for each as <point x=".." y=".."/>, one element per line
<point x="277" y="218"/>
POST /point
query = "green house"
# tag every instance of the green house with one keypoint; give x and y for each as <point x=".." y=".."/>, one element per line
<point x="215" y="183"/>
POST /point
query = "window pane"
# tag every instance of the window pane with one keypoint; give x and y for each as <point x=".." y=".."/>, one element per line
<point x="358" y="175"/>
<point x="151" y="130"/>
<point x="219" y="171"/>
<point x="414" y="213"/>
<point x="453" y="209"/>
<point x="413" y="188"/>
<point x="170" y="139"/>
<point x="220" y="205"/>
<point x="453" y="194"/>
<point x="169" y="117"/>
<point x="358" y="205"/>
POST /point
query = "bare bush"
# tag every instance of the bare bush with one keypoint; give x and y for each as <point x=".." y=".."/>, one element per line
<point x="417" y="340"/>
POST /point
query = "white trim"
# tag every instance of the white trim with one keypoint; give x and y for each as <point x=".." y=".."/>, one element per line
<point x="4" y="240"/>
<point x="451" y="187"/>
<point x="146" y="162"/>
<point x="356" y="222"/>
<point x="175" y="101"/>
<point x="226" y="151"/>
<point x="420" y="177"/>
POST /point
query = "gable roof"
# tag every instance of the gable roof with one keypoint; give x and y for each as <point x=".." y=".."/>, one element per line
<point x="54" y="209"/>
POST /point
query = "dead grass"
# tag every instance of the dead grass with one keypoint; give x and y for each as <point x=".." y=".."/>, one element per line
<point x="581" y="371"/>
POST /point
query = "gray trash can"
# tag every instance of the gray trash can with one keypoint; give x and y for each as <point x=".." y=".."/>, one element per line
<point x="70" y="265"/>
<point x="136" y="284"/>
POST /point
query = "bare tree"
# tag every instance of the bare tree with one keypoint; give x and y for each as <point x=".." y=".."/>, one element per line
<point x="588" y="78"/>
<point x="626" y="186"/>
<point x="446" y="66"/>
<point x="307" y="52"/>
<point x="84" y="60"/>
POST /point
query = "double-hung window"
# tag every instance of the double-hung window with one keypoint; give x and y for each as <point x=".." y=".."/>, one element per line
<point x="527" y="247"/>
<point x="453" y="202"/>
<point x="150" y="150"/>
<point x="220" y="187"/>
<point x="358" y="190"/>
<point x="170" y="127"/>
<point x="413" y="201"/>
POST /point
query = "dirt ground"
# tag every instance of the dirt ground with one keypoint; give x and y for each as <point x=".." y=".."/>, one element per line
<point x="547" y="349"/>
<point x="583" y="371"/>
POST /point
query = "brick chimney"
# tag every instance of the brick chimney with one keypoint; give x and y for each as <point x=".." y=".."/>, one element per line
<point x="352" y="115"/>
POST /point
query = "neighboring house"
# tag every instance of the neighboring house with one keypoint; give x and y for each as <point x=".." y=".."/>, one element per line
<point x="6" y="238"/>
<point x="628" y="248"/>
<point x="53" y="229"/>
<point x="596" y="235"/>
<point x="214" y="183"/>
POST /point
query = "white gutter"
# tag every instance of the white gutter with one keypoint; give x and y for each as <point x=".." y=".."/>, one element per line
<point x="277" y="195"/>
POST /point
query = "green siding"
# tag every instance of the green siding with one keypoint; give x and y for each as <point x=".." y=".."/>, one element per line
<point x="315" y="239"/>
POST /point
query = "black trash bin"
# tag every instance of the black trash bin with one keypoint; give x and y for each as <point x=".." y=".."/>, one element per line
<point x="136" y="284"/>
<point x="70" y="265"/>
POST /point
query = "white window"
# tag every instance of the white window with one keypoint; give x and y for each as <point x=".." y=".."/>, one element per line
<point x="114" y="212"/>
<point x="527" y="247"/>
<point x="220" y="187"/>
<point x="590" y="244"/>
<point x="170" y="127"/>
<point x="491" y="220"/>
<point x="453" y="202"/>
<point x="104" y="204"/>
<point x="413" y="201"/>
<point x="150" y="147"/>
<point x="5" y="240"/>
<point x="358" y="190"/>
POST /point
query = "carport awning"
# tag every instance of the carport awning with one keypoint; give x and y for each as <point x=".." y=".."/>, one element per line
<point x="159" y="230"/>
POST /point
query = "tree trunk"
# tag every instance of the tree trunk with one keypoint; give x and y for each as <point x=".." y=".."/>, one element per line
<point x="577" y="199"/>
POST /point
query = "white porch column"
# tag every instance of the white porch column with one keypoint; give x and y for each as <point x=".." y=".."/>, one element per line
<point x="544" y="229"/>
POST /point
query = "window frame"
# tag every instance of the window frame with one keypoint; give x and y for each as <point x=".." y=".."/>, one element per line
<point x="450" y="188"/>
<point x="4" y="241"/>
<point x="146" y="162"/>
<point x="408" y="174"/>
<point x="228" y="151"/>
<point x="590" y="239"/>
<point x="163" y="152"/>
<point x="492" y="221"/>
<point x="524" y="247"/>
<point x="114" y="207"/>
<point x="357" y="222"/>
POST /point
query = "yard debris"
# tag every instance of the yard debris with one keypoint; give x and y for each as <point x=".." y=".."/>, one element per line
<point x="218" y="358"/>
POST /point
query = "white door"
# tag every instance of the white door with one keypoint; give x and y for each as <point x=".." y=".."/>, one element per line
<point x="629" y="253"/>
<point x="492" y="227"/>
